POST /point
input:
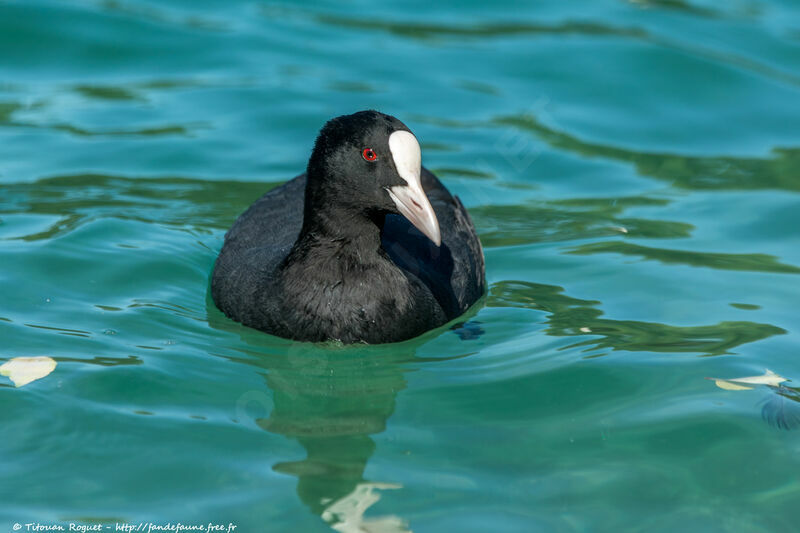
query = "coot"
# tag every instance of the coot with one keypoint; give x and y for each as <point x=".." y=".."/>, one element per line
<point x="366" y="246"/>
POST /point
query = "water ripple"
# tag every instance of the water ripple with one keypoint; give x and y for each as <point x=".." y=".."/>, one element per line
<point x="681" y="6"/>
<point x="431" y="31"/>
<point x="185" y="130"/>
<point x="719" y="261"/>
<point x="574" y="317"/>
<point x="509" y="225"/>
<point x="80" y="198"/>
<point x="162" y="16"/>
<point x="684" y="171"/>
<point x="425" y="31"/>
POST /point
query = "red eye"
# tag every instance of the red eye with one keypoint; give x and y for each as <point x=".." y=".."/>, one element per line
<point x="369" y="154"/>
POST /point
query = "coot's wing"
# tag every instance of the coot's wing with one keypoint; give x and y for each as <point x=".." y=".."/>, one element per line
<point x="454" y="272"/>
<point x="258" y="240"/>
<point x="274" y="220"/>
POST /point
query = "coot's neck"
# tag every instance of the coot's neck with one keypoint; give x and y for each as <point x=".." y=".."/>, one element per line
<point x="336" y="226"/>
<point x="347" y="230"/>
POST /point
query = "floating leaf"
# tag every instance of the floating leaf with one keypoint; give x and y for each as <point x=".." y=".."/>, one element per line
<point x="23" y="370"/>
<point x="728" y="385"/>
<point x="769" y="378"/>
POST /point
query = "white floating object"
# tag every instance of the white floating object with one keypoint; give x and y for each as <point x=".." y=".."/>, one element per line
<point x="23" y="370"/>
<point x="768" y="378"/>
<point x="346" y="515"/>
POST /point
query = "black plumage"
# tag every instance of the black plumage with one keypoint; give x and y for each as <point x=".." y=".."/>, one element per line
<point x="327" y="256"/>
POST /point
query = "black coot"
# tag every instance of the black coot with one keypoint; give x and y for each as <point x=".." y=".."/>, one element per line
<point x="366" y="246"/>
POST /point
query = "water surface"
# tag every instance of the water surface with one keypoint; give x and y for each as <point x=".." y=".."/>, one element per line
<point x="633" y="170"/>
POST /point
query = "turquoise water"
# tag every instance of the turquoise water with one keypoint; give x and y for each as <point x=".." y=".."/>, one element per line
<point x="633" y="170"/>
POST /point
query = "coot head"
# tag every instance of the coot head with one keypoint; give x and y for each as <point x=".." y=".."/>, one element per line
<point x="369" y="163"/>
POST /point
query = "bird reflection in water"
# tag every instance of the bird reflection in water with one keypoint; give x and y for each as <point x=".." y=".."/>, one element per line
<point x="331" y="401"/>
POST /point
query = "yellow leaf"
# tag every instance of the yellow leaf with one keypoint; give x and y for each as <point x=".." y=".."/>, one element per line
<point x="727" y="385"/>
<point x="23" y="370"/>
<point x="768" y="378"/>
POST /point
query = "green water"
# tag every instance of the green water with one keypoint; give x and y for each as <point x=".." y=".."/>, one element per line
<point x="633" y="170"/>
